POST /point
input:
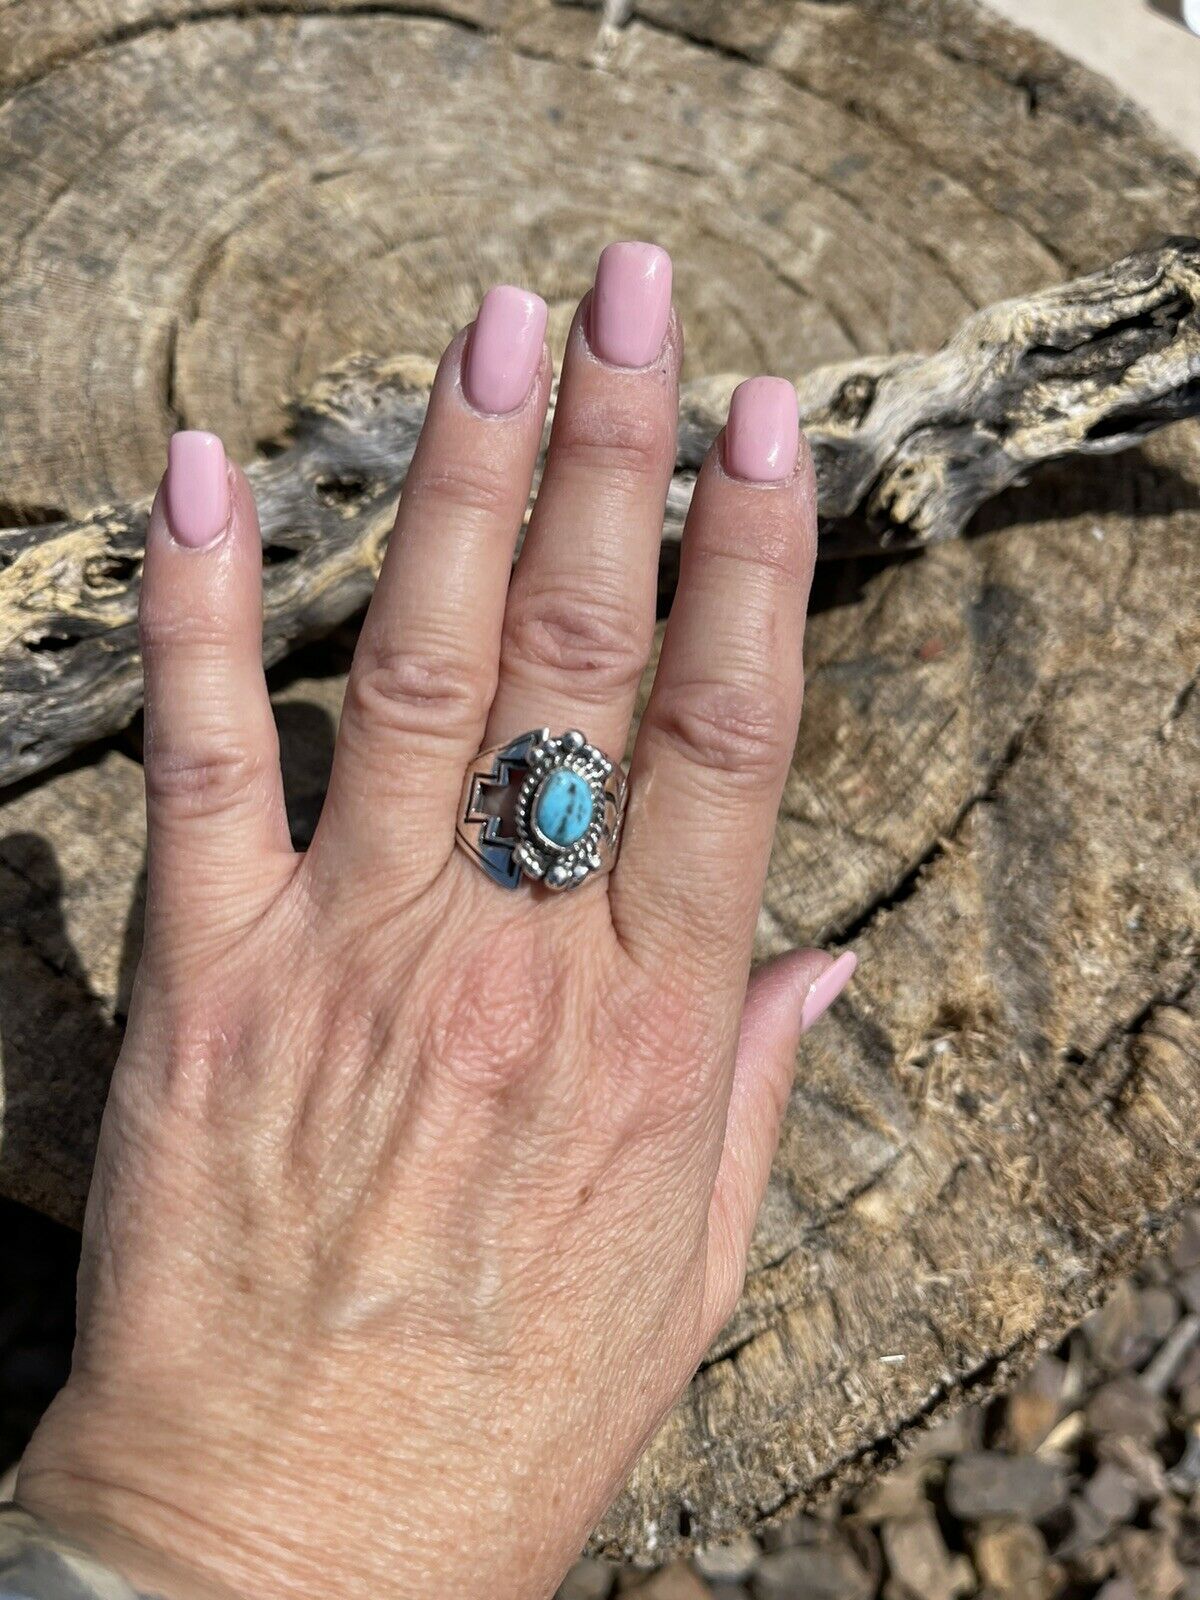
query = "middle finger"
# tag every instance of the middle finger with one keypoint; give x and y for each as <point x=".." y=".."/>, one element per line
<point x="580" y="616"/>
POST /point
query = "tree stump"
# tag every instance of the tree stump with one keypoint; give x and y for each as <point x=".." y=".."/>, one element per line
<point x="996" y="787"/>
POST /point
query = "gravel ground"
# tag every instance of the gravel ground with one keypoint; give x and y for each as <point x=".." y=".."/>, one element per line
<point x="1083" y="1482"/>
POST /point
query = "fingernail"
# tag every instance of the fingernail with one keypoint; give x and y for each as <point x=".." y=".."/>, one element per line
<point x="762" y="434"/>
<point x="826" y="989"/>
<point x="631" y="304"/>
<point x="197" y="488"/>
<point x="504" y="349"/>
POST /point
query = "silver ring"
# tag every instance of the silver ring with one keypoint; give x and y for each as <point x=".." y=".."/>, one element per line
<point x="543" y="808"/>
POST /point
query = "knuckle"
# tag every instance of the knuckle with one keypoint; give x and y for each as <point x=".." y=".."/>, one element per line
<point x="407" y="692"/>
<point x="470" y="488"/>
<point x="614" y="444"/>
<point x="199" y="780"/>
<point x="745" y="732"/>
<point x="164" y="629"/>
<point x="771" y="550"/>
<point x="605" y="639"/>
<point x="482" y="1036"/>
<point x="203" y="1036"/>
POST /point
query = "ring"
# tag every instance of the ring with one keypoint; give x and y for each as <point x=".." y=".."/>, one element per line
<point x="544" y="808"/>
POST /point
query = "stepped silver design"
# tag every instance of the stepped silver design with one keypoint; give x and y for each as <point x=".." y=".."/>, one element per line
<point x="542" y="807"/>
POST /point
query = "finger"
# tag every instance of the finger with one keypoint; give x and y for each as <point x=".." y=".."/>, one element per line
<point x="580" y="616"/>
<point x="718" y="732"/>
<point x="217" y="826"/>
<point x="424" y="671"/>
<point x="784" y="1000"/>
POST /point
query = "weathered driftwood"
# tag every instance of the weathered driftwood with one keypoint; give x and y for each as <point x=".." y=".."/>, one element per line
<point x="907" y="448"/>
<point x="997" y="782"/>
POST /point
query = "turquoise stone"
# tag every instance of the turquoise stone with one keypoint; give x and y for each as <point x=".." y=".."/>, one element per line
<point x="562" y="808"/>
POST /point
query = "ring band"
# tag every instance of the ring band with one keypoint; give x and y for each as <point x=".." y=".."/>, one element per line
<point x="543" y="808"/>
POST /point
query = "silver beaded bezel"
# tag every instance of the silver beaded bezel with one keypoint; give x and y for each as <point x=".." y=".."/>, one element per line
<point x="561" y="866"/>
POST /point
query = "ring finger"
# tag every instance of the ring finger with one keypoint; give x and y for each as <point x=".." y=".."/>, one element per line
<point x="580" y="615"/>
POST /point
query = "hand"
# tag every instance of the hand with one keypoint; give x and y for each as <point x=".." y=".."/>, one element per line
<point x="418" y="1202"/>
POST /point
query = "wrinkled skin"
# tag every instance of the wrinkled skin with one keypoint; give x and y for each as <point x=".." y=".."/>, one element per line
<point x="417" y="1203"/>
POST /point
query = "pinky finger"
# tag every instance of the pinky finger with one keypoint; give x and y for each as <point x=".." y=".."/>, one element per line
<point x="784" y="1000"/>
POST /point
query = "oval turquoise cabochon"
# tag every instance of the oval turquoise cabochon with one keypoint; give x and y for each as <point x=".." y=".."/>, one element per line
<point x="562" y="808"/>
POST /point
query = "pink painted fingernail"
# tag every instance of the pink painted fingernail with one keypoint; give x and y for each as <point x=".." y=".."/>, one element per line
<point x="631" y="304"/>
<point x="197" y="488"/>
<point x="504" y="349"/>
<point x="826" y="989"/>
<point x="762" y="434"/>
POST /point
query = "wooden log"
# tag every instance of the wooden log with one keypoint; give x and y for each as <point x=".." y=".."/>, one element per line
<point x="907" y="448"/>
<point x="995" y="789"/>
